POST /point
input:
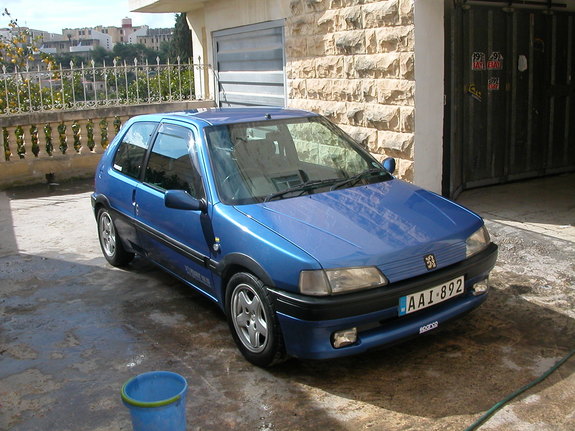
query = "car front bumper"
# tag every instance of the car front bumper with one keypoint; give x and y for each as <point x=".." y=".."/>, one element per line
<point x="308" y="323"/>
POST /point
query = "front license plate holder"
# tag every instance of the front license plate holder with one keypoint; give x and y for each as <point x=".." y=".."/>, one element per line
<point x="434" y="295"/>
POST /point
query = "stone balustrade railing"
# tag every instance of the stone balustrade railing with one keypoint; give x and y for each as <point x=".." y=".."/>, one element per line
<point x="40" y="147"/>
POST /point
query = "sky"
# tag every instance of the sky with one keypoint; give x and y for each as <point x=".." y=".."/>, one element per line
<point x="54" y="15"/>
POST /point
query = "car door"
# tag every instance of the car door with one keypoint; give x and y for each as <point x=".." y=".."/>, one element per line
<point x="178" y="240"/>
<point x="122" y="178"/>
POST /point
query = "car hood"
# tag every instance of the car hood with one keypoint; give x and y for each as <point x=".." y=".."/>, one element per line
<point x="379" y="224"/>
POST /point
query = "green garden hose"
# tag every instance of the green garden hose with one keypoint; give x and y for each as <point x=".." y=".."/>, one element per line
<point x="508" y="398"/>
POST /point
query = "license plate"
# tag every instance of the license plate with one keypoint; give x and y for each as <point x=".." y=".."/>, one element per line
<point x="434" y="295"/>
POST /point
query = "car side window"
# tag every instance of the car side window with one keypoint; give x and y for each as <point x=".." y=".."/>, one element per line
<point x="173" y="162"/>
<point x="131" y="151"/>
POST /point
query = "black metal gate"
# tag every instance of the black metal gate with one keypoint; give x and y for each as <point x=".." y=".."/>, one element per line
<point x="510" y="111"/>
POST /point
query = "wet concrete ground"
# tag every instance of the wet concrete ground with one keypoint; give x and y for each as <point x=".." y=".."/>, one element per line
<point x="73" y="330"/>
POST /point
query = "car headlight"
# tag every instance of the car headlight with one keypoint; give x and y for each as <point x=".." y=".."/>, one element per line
<point x="343" y="280"/>
<point x="477" y="242"/>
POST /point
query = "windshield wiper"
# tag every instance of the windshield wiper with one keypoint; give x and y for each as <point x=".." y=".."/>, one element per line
<point x="302" y="188"/>
<point x="351" y="181"/>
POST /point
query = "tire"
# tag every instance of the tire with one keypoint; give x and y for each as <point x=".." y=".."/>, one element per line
<point x="253" y="321"/>
<point x="110" y="242"/>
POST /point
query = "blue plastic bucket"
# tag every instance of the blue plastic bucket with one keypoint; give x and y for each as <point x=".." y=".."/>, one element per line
<point x="157" y="401"/>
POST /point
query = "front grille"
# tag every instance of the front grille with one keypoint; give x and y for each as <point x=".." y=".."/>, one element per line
<point x="414" y="264"/>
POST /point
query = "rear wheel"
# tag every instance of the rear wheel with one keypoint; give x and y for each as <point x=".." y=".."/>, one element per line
<point x="110" y="242"/>
<point x="252" y="321"/>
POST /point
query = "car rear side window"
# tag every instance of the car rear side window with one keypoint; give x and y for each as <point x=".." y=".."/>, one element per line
<point x="131" y="151"/>
<point x="172" y="166"/>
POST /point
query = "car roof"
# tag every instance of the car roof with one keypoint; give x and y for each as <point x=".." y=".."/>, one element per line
<point x="219" y="116"/>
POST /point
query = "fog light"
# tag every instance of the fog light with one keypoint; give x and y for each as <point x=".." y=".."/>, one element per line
<point x="481" y="287"/>
<point x="344" y="338"/>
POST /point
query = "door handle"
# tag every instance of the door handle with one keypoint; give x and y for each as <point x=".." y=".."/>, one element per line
<point x="134" y="203"/>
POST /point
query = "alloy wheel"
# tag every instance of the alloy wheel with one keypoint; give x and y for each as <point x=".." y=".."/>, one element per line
<point x="107" y="234"/>
<point x="249" y="318"/>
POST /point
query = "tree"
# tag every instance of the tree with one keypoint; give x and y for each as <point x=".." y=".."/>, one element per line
<point x="99" y="54"/>
<point x="164" y="52"/>
<point x="65" y="58"/>
<point x="182" y="42"/>
<point x="127" y="52"/>
<point x="19" y="47"/>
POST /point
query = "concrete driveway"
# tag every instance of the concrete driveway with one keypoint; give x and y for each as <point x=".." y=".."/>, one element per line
<point x="73" y="330"/>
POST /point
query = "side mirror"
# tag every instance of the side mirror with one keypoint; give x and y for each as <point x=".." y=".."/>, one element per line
<point x="180" y="200"/>
<point x="389" y="165"/>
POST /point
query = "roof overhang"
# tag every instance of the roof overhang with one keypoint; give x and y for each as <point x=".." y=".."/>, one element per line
<point x="164" y="6"/>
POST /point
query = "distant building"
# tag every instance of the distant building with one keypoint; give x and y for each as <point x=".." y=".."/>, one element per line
<point x="155" y="37"/>
<point x="83" y="34"/>
<point x="41" y="35"/>
<point x="142" y="31"/>
<point x="85" y="39"/>
<point x="127" y="33"/>
<point x="56" y="46"/>
<point x="77" y="46"/>
<point x="85" y="45"/>
<point x="113" y="34"/>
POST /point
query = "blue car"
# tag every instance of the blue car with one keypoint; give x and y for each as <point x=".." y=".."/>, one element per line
<point x="309" y="245"/>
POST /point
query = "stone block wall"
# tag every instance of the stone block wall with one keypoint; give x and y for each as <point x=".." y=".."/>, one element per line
<point x="353" y="61"/>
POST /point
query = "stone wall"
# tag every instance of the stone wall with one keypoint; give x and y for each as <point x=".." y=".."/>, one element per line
<point x="353" y="61"/>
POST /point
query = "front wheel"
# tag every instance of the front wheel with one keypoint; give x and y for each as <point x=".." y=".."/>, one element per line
<point x="252" y="321"/>
<point x="110" y="242"/>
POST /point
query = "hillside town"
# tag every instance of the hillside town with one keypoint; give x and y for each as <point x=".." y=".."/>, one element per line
<point x="83" y="40"/>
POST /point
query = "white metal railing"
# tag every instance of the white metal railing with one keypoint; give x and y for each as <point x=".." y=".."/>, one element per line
<point x="89" y="86"/>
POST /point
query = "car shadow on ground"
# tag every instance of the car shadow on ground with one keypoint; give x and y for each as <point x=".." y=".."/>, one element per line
<point x="464" y="368"/>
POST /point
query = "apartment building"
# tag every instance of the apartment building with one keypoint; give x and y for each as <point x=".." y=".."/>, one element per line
<point x="154" y="37"/>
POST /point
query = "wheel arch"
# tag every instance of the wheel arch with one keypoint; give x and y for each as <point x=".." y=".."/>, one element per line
<point x="99" y="201"/>
<point x="239" y="262"/>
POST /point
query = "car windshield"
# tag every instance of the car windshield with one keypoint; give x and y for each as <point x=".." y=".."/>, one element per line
<point x="281" y="159"/>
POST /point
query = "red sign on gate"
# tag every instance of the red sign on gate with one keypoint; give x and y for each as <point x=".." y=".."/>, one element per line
<point x="478" y="61"/>
<point x="493" y="84"/>
<point x="495" y="61"/>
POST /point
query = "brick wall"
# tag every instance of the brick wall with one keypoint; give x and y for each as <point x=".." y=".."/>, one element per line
<point x="353" y="61"/>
